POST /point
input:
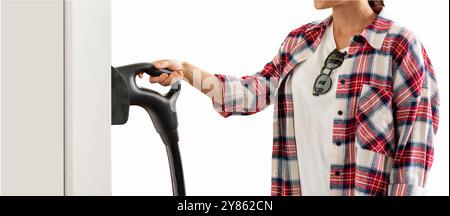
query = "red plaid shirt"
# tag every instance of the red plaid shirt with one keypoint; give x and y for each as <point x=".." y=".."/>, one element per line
<point x="389" y="98"/>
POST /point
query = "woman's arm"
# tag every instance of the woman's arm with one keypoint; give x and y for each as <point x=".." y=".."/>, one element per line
<point x="416" y="105"/>
<point x="231" y="95"/>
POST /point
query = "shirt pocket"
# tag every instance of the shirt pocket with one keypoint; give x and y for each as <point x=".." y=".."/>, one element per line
<point x="374" y="121"/>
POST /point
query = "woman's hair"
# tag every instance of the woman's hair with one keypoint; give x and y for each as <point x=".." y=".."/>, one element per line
<point x="376" y="5"/>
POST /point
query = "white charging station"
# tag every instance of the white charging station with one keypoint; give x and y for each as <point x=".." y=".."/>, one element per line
<point x="54" y="98"/>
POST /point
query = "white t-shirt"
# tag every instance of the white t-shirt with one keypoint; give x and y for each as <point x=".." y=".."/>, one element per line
<point x="313" y="120"/>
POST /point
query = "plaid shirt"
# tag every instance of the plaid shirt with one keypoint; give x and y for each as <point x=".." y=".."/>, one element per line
<point x="387" y="99"/>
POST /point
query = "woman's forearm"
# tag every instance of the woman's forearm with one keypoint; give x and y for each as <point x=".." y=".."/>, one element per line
<point x="203" y="81"/>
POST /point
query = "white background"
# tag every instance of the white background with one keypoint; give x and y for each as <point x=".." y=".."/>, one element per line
<point x="233" y="156"/>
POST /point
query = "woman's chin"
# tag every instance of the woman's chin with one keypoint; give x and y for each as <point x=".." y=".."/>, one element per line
<point x="320" y="5"/>
<point x="324" y="4"/>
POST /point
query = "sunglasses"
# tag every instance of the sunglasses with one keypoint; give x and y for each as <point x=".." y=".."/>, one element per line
<point x="324" y="82"/>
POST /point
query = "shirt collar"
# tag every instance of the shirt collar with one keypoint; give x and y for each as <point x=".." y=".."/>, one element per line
<point x="374" y="34"/>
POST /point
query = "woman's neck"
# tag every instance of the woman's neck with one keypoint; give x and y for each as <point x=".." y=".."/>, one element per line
<point x="352" y="18"/>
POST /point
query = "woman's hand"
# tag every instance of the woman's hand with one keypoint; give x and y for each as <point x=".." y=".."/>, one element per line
<point x="207" y="83"/>
<point x="179" y="69"/>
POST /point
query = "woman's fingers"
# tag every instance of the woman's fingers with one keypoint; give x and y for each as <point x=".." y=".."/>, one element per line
<point x="166" y="79"/>
<point x="169" y="79"/>
<point x="159" y="79"/>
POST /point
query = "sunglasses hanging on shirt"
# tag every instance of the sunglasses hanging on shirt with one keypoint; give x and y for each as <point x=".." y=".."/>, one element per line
<point x="324" y="82"/>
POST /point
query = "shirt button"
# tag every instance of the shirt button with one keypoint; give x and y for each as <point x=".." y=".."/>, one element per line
<point x="343" y="82"/>
<point x="340" y="112"/>
<point x="337" y="173"/>
<point x="338" y="143"/>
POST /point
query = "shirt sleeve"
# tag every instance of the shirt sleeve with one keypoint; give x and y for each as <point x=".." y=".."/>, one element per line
<point x="251" y="94"/>
<point x="416" y="111"/>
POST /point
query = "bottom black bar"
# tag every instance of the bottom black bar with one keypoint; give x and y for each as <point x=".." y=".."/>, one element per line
<point x="223" y="206"/>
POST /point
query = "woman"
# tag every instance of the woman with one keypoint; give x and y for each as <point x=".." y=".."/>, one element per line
<point x="356" y="104"/>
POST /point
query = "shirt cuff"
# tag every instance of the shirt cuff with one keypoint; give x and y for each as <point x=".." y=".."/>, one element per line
<point x="220" y="107"/>
<point x="406" y="190"/>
